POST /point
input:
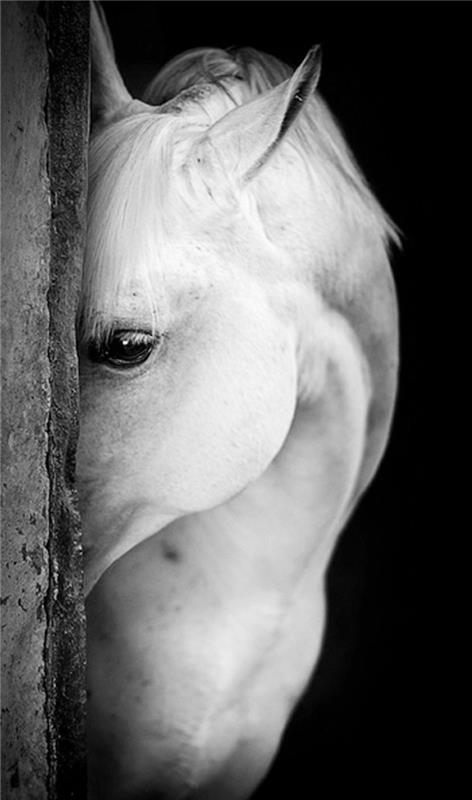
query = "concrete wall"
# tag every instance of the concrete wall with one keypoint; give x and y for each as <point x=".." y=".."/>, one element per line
<point x="44" y="137"/>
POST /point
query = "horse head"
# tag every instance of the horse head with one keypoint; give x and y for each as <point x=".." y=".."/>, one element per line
<point x="238" y="371"/>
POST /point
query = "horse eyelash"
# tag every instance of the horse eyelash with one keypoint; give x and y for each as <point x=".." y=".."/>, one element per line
<point x="102" y="334"/>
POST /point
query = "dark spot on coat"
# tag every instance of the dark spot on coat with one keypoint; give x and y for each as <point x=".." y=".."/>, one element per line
<point x="170" y="552"/>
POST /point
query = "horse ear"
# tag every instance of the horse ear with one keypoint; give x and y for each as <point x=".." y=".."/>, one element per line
<point x="250" y="133"/>
<point x="108" y="91"/>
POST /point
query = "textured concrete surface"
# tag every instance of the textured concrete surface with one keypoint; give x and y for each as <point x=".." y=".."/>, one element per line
<point x="25" y="402"/>
<point x="68" y="123"/>
<point x="44" y="137"/>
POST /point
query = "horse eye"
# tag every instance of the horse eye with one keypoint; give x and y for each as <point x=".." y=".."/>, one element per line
<point x="123" y="348"/>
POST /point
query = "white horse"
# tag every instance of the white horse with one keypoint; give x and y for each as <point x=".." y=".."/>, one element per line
<point x="238" y="376"/>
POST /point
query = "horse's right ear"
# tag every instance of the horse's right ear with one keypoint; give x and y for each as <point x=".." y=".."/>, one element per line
<point x="108" y="92"/>
<point x="246" y="136"/>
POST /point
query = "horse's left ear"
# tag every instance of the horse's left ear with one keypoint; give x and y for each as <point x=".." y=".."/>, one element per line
<point x="248" y="135"/>
<point x="108" y="91"/>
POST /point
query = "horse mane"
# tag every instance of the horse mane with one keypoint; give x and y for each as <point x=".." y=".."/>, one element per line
<point x="243" y="74"/>
<point x="192" y="92"/>
<point x="257" y="71"/>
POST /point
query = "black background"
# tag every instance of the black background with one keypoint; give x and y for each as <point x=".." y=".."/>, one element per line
<point x="373" y="721"/>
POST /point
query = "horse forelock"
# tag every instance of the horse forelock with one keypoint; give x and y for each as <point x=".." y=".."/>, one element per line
<point x="140" y="192"/>
<point x="137" y="199"/>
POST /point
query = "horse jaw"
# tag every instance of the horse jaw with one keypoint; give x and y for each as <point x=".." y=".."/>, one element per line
<point x="204" y="419"/>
